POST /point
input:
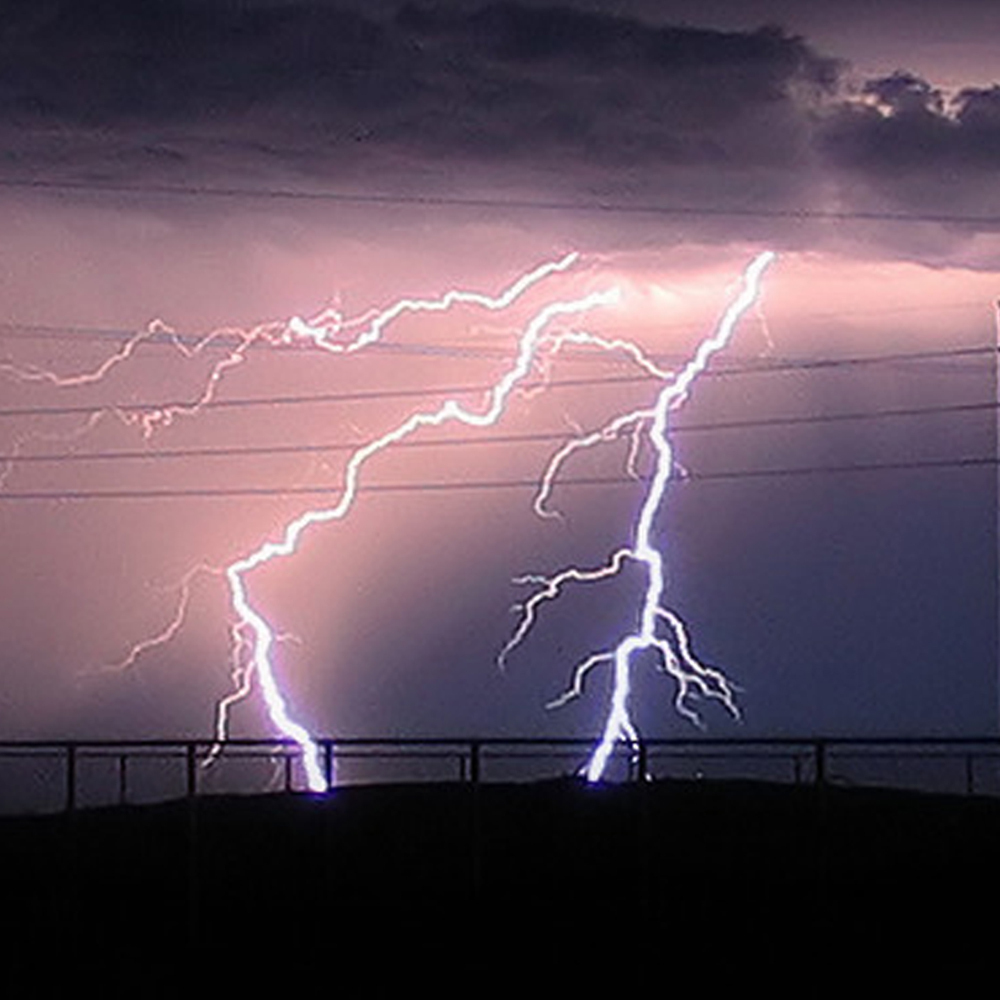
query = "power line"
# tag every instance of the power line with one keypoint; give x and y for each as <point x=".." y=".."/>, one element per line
<point x="241" y="451"/>
<point x="449" y="349"/>
<point x="461" y="350"/>
<point x="812" y="364"/>
<point x="227" y="342"/>
<point x="499" y="484"/>
<point x="497" y="204"/>
<point x="14" y="330"/>
<point x="362" y="395"/>
<point x="764" y="367"/>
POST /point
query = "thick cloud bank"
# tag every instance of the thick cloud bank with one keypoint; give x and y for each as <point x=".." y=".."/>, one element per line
<point x="501" y="99"/>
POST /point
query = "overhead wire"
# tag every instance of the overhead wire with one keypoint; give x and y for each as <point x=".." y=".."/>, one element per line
<point x="168" y="337"/>
<point x="763" y="367"/>
<point x="967" y="462"/>
<point x="236" y="451"/>
<point x="389" y="199"/>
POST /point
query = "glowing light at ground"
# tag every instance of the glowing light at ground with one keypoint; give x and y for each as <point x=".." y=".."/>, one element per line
<point x="660" y="630"/>
<point x="254" y="623"/>
<point x="539" y="341"/>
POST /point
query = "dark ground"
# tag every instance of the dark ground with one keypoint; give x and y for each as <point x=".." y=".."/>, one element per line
<point x="665" y="885"/>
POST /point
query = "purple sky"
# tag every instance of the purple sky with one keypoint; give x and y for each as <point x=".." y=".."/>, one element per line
<point x="861" y="603"/>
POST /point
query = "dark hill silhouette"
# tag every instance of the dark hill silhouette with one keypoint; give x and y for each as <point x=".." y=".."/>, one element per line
<point x="683" y="882"/>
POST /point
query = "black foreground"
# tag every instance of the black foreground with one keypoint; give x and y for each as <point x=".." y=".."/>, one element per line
<point x="667" y="884"/>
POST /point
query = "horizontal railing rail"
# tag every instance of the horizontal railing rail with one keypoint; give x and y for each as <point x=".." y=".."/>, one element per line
<point x="819" y="761"/>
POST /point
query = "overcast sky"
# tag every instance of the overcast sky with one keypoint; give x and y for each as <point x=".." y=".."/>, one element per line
<point x="160" y="160"/>
<point x="767" y="110"/>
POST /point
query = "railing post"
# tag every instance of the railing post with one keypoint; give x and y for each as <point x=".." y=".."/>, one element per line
<point x="642" y="760"/>
<point x="475" y="831"/>
<point x="288" y="771"/>
<point x="193" y="873"/>
<point x="970" y="775"/>
<point x="328" y="763"/>
<point x="191" y="753"/>
<point x="122" y="778"/>
<point x="819" y="749"/>
<point x="70" y="777"/>
<point x="474" y="761"/>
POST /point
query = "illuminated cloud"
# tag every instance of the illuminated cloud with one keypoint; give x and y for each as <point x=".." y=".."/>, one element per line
<point x="499" y="101"/>
<point x="505" y="98"/>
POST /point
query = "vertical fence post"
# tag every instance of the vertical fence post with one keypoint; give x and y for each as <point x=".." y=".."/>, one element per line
<point x="288" y="771"/>
<point x="819" y="750"/>
<point x="193" y="866"/>
<point x="328" y="763"/>
<point x="70" y="777"/>
<point x="642" y="760"/>
<point x="122" y="778"/>
<point x="474" y="761"/>
<point x="191" y="755"/>
<point x="475" y="827"/>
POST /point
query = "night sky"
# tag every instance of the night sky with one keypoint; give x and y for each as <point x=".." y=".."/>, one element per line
<point x="162" y="161"/>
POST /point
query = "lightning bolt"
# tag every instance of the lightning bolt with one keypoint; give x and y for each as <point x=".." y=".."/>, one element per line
<point x="172" y="627"/>
<point x="156" y="330"/>
<point x="20" y="444"/>
<point x="254" y="628"/>
<point x="252" y="637"/>
<point x="660" y="630"/>
<point x="609" y="432"/>
<point x="326" y="331"/>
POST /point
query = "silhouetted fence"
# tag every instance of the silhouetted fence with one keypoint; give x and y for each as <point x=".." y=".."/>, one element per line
<point x="47" y="776"/>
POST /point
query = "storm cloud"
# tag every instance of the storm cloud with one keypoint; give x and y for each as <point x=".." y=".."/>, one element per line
<point x="175" y="150"/>
<point x="502" y="99"/>
<point x="910" y="142"/>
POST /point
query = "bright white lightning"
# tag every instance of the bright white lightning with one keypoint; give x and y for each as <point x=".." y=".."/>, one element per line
<point x="612" y="430"/>
<point x="673" y="647"/>
<point x="609" y="432"/>
<point x="318" y="331"/>
<point x="587" y="339"/>
<point x="253" y="638"/>
<point x="253" y="627"/>
<point x="246" y="651"/>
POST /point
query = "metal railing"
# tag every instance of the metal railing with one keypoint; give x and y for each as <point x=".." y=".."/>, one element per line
<point x="70" y="773"/>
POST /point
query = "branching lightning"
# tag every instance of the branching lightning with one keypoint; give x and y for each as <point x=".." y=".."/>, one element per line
<point x="660" y="630"/>
<point x="326" y="331"/>
<point x="173" y="626"/>
<point x="20" y="444"/>
<point x="253" y="638"/>
<point x="256" y="624"/>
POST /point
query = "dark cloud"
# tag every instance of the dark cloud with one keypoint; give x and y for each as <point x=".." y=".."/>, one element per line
<point x="556" y="100"/>
<point x="505" y="80"/>
<point x="910" y="126"/>
<point x="907" y="146"/>
<point x="101" y="62"/>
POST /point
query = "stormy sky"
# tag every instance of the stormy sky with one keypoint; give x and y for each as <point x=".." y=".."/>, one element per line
<point x="221" y="164"/>
<point x="562" y="103"/>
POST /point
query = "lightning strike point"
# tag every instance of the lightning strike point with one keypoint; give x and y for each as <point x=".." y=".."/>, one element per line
<point x="253" y="638"/>
<point x="673" y="648"/>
